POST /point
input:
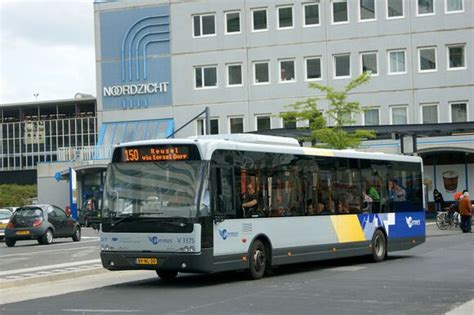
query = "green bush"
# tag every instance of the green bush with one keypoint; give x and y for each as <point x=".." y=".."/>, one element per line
<point x="16" y="195"/>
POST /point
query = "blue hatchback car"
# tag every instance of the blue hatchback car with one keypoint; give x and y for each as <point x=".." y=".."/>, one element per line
<point x="41" y="222"/>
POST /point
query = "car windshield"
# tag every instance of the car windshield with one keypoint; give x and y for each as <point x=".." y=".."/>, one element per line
<point x="28" y="212"/>
<point x="153" y="189"/>
<point x="5" y="214"/>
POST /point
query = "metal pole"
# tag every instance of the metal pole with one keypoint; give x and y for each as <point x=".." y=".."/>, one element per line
<point x="208" y="121"/>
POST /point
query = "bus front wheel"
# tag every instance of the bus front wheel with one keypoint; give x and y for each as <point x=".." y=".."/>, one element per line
<point x="258" y="260"/>
<point x="167" y="275"/>
<point x="379" y="246"/>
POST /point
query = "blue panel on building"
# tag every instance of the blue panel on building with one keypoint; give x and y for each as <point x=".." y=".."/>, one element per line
<point x="135" y="58"/>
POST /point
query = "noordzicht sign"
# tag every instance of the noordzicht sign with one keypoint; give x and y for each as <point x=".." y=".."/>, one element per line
<point x="136" y="89"/>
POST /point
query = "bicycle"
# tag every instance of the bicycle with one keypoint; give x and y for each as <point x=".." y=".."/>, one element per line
<point x="444" y="221"/>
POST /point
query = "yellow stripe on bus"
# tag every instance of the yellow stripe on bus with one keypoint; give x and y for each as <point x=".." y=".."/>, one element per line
<point x="347" y="228"/>
<point x="315" y="151"/>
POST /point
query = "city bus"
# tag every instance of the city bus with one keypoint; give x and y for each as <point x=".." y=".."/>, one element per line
<point x="251" y="202"/>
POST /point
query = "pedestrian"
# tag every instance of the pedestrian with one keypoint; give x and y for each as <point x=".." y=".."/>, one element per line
<point x="438" y="200"/>
<point x="465" y="210"/>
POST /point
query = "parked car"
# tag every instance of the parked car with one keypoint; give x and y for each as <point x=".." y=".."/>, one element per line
<point x="5" y="215"/>
<point x="12" y="209"/>
<point x="41" y="222"/>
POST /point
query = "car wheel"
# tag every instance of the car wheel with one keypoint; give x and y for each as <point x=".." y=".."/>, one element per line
<point x="10" y="242"/>
<point x="167" y="275"/>
<point x="76" y="237"/>
<point x="47" y="238"/>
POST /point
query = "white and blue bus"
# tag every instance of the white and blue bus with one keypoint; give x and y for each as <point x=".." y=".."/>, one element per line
<point x="251" y="202"/>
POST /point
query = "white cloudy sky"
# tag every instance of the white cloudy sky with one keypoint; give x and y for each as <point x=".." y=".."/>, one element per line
<point x="46" y="47"/>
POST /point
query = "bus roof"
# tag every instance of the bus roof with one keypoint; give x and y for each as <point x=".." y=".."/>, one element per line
<point x="249" y="142"/>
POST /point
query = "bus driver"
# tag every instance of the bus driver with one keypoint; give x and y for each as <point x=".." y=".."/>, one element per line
<point x="249" y="201"/>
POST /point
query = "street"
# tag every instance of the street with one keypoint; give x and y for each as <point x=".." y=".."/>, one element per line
<point x="434" y="278"/>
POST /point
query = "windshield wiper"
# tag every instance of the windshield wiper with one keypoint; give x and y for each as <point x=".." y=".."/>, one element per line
<point x="137" y="215"/>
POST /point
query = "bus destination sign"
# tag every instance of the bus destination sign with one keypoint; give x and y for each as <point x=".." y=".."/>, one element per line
<point x="158" y="153"/>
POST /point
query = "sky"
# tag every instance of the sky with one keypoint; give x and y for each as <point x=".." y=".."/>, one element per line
<point x="46" y="48"/>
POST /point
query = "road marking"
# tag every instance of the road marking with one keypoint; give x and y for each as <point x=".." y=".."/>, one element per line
<point x="430" y="223"/>
<point x="90" y="237"/>
<point x="52" y="251"/>
<point x="69" y="264"/>
<point x="99" y="311"/>
<point x="347" y="268"/>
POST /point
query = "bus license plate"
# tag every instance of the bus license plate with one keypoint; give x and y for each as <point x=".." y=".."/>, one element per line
<point x="146" y="261"/>
<point x="22" y="232"/>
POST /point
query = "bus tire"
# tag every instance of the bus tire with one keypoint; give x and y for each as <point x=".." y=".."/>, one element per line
<point x="257" y="260"/>
<point x="167" y="275"/>
<point x="379" y="246"/>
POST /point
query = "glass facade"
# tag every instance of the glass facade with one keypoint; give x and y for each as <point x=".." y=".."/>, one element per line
<point x="35" y="134"/>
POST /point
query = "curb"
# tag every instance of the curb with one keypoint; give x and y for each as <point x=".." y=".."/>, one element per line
<point x="8" y="284"/>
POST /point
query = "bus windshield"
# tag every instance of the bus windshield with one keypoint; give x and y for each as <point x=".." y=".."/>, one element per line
<point x="153" y="189"/>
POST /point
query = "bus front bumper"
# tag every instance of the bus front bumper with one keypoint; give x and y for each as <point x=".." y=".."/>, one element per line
<point x="181" y="262"/>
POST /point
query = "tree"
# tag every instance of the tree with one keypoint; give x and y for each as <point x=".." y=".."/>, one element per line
<point x="340" y="110"/>
<point x="16" y="195"/>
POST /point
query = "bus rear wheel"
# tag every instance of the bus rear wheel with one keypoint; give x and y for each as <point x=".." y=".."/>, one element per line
<point x="379" y="246"/>
<point x="258" y="260"/>
<point x="167" y="275"/>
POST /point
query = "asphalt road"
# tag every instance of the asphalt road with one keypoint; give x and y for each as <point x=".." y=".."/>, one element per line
<point x="29" y="255"/>
<point x="434" y="278"/>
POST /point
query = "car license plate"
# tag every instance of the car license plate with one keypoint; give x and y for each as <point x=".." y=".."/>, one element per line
<point x="146" y="261"/>
<point x="2" y="226"/>
<point x="22" y="232"/>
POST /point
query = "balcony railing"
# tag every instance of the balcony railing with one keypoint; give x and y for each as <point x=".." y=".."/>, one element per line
<point x="85" y="153"/>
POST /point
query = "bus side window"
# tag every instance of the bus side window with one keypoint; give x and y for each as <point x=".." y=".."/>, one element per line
<point x="223" y="195"/>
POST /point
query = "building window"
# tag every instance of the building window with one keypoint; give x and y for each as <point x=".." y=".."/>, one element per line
<point x="366" y="10"/>
<point x="263" y="123"/>
<point x="204" y="25"/>
<point x="259" y="20"/>
<point x="427" y="59"/>
<point x="394" y="9"/>
<point x="234" y="75"/>
<point x="456" y="57"/>
<point x="205" y="77"/>
<point x="397" y="64"/>
<point x="261" y="71"/>
<point x="311" y="14"/>
<point x="342" y="66"/>
<point x="313" y="68"/>
<point x="429" y="114"/>
<point x="425" y="7"/>
<point x="458" y="112"/>
<point x="287" y="70"/>
<point x="454" y="6"/>
<point x="285" y="17"/>
<point x="232" y="22"/>
<point x="236" y="124"/>
<point x="372" y="117"/>
<point x="340" y="11"/>
<point x="201" y="126"/>
<point x="289" y="123"/>
<point x="399" y="115"/>
<point x="369" y="62"/>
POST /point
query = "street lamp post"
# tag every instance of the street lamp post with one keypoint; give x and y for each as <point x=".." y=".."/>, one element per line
<point x="36" y="96"/>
